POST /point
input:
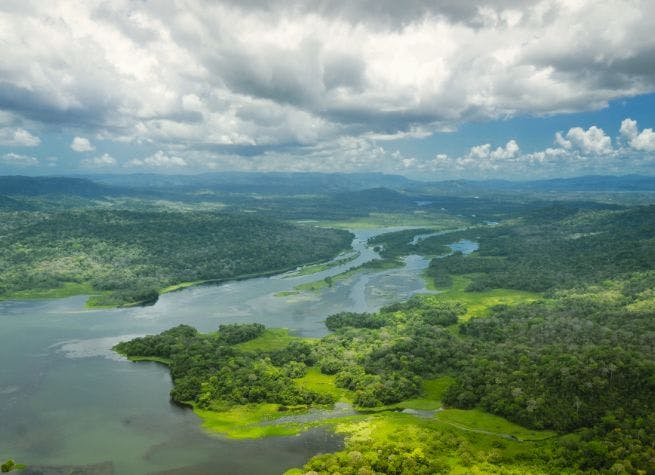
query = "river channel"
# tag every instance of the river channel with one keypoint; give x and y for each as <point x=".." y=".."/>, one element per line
<point x="67" y="399"/>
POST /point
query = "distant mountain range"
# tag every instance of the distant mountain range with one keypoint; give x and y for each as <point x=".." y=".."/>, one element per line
<point x="255" y="182"/>
<point x="377" y="185"/>
<point x="40" y="186"/>
<point x="582" y="183"/>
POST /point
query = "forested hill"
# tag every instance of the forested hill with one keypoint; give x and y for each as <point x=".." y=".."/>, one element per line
<point x="128" y="256"/>
<point x="556" y="247"/>
<point x="256" y="182"/>
<point x="40" y="186"/>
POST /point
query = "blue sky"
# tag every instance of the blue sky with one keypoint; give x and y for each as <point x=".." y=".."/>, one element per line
<point x="431" y="90"/>
<point x="535" y="133"/>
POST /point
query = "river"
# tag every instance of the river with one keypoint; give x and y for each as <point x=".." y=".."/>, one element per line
<point x="67" y="399"/>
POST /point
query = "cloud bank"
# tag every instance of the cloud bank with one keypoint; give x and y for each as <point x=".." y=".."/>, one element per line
<point x="243" y="82"/>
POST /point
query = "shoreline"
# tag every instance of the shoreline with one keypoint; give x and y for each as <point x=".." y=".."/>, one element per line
<point x="74" y="289"/>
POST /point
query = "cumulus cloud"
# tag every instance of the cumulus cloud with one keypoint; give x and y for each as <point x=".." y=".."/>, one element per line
<point x="18" y="160"/>
<point x="104" y="160"/>
<point x="158" y="160"/>
<point x="80" y="144"/>
<point x="579" y="151"/>
<point x="643" y="141"/>
<point x="510" y="150"/>
<point x="593" y="140"/>
<point x="16" y="137"/>
<point x="244" y="78"/>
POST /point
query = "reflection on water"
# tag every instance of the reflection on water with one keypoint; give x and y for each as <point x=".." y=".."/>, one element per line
<point x="65" y="398"/>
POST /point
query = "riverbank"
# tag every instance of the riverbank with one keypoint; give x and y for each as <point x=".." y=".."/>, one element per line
<point x="375" y="264"/>
<point x="95" y="300"/>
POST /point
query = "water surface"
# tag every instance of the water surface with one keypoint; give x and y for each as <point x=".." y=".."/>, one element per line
<point x="66" y="398"/>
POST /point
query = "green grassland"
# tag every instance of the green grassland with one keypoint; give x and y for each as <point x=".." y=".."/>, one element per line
<point x="479" y="432"/>
<point x="271" y="339"/>
<point x="67" y="289"/>
<point x="314" y="380"/>
<point x="432" y="391"/>
<point x="478" y="304"/>
<point x="476" y="420"/>
<point x="246" y="421"/>
<point x="392" y="442"/>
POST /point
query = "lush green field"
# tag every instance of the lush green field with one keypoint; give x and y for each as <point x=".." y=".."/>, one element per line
<point x="322" y="383"/>
<point x="247" y="421"/>
<point x="271" y="339"/>
<point x="475" y="420"/>
<point x="478" y="304"/>
<point x="401" y="443"/>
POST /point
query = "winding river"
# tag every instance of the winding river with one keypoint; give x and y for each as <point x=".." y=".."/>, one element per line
<point x="67" y="399"/>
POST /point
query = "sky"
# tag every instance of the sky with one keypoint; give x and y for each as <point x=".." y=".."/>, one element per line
<point x="431" y="90"/>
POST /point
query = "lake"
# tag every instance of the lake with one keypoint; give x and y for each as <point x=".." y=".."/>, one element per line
<point x="67" y="399"/>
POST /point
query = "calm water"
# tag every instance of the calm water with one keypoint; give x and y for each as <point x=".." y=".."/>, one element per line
<point x="65" y="398"/>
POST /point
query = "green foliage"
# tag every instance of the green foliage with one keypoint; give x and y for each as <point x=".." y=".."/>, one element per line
<point x="212" y="369"/>
<point x="409" y="241"/>
<point x="480" y="303"/>
<point x="127" y="257"/>
<point x="392" y="443"/>
<point x="238" y="333"/>
<point x="355" y="320"/>
<point x="424" y="310"/>
<point x="557" y="248"/>
<point x="10" y="465"/>
<point x="272" y="339"/>
<point x="375" y="264"/>
<point x="579" y="363"/>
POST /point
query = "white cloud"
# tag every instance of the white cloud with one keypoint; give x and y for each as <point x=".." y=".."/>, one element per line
<point x="80" y="144"/>
<point x="484" y="152"/>
<point x="158" y="160"/>
<point x="593" y="140"/>
<point x="18" y="160"/>
<point x="643" y="141"/>
<point x="252" y="76"/>
<point x="104" y="160"/>
<point x="579" y="151"/>
<point x="16" y="137"/>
